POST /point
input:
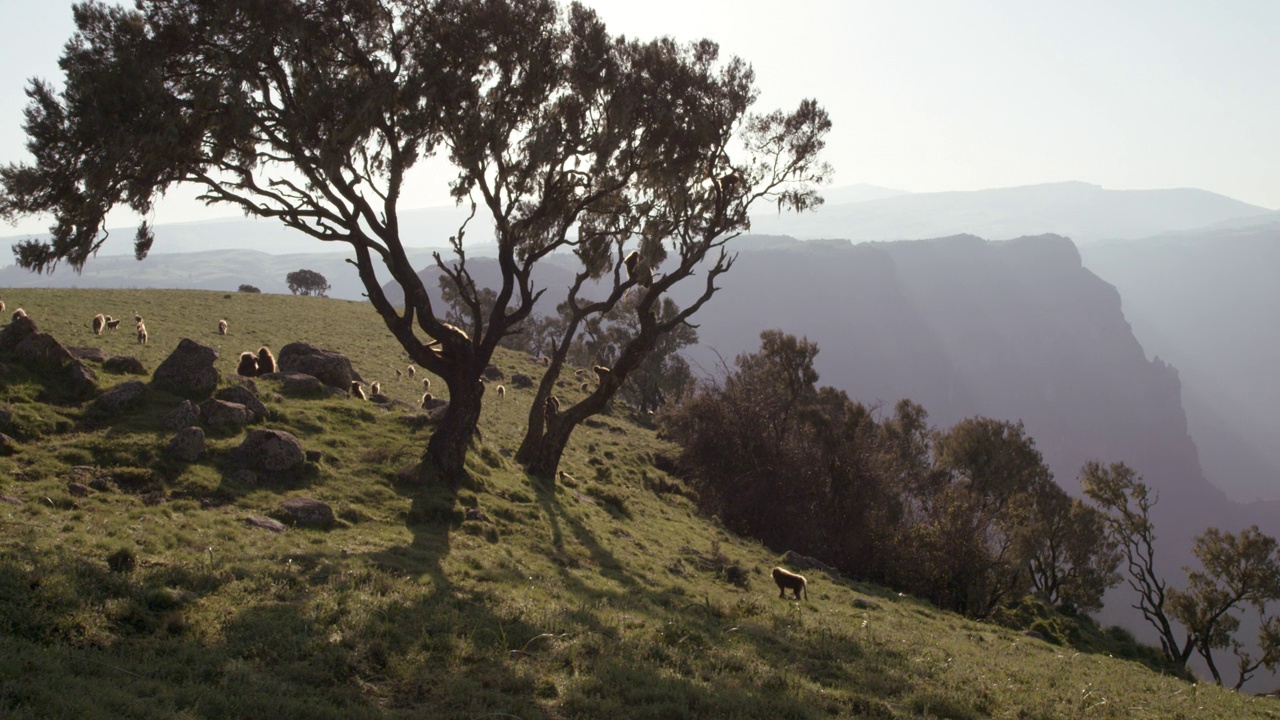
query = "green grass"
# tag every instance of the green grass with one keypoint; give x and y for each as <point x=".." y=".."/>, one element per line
<point x="604" y="596"/>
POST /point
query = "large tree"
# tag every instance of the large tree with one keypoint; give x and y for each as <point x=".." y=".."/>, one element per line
<point x="313" y="112"/>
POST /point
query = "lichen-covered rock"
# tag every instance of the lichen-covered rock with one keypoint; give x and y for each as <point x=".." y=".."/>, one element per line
<point x="223" y="416"/>
<point x="188" y="371"/>
<point x="492" y="373"/>
<point x="43" y="352"/>
<point x="306" y="512"/>
<point x="119" y="399"/>
<point x="246" y="397"/>
<point x="187" y="445"/>
<point x="522" y="381"/>
<point x="331" y="368"/>
<point x="124" y="365"/>
<point x="271" y="450"/>
<point x="185" y="415"/>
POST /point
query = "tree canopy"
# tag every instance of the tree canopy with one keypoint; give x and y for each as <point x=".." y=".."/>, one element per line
<point x="312" y="113"/>
<point x="307" y="282"/>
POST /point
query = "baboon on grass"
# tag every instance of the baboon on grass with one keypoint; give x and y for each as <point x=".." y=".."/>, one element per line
<point x="788" y="580"/>
<point x="266" y="361"/>
<point x="99" y="322"/>
<point x="248" y="366"/>
<point x="222" y="327"/>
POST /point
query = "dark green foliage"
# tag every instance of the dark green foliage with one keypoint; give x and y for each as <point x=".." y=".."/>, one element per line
<point x="306" y="282"/>
<point x="122" y="561"/>
<point x="249" y="289"/>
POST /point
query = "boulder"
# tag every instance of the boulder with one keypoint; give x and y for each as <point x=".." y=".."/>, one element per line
<point x="42" y="351"/>
<point x="331" y="368"/>
<point x="187" y="445"/>
<point x="271" y="450"/>
<point x="296" y="384"/>
<point x="223" y="416"/>
<point x="185" y="415"/>
<point x="266" y="523"/>
<point x="124" y="365"/>
<point x="522" y="381"/>
<point x="119" y="399"/>
<point x="246" y="397"/>
<point x="188" y="371"/>
<point x="492" y="373"/>
<point x="8" y="445"/>
<point x="306" y="512"/>
<point x="95" y="354"/>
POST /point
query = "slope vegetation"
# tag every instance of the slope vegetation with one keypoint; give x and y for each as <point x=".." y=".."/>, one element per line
<point x="131" y="584"/>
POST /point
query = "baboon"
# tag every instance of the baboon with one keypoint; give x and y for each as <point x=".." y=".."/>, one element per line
<point x="112" y="324"/>
<point x="137" y="318"/>
<point x="1" y="306"/>
<point x="552" y="407"/>
<point x="412" y="371"/>
<point x="585" y="387"/>
<point x="19" y="313"/>
<point x="788" y="580"/>
<point x="580" y="372"/>
<point x="399" y="374"/>
<point x="600" y="371"/>
<point x="356" y="390"/>
<point x="375" y="388"/>
<point x="502" y="391"/>
<point x="248" y="366"/>
<point x="426" y="383"/>
<point x="266" y="361"/>
<point x="566" y="476"/>
<point x="142" y="334"/>
<point x="546" y="361"/>
<point x="99" y="322"/>
<point x="222" y="327"/>
<point x="426" y="398"/>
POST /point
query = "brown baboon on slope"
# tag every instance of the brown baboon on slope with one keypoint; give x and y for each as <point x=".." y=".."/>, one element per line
<point x="412" y="371"/>
<point x="356" y="390"/>
<point x="375" y="388"/>
<point x="788" y="580"/>
<point x="248" y="366"/>
<point x="426" y="398"/>
<point x="502" y="391"/>
<point x="266" y="361"/>
<point x="142" y="334"/>
<point x="19" y="313"/>
<point x="112" y="324"/>
<point x="99" y="322"/>
<point x="426" y="383"/>
<point x="222" y="327"/>
<point x="600" y="371"/>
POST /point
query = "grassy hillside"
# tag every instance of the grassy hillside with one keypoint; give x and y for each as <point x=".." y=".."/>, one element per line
<point x="603" y="596"/>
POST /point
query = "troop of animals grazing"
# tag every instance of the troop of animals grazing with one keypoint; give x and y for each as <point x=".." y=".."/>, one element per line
<point x="788" y="580"/>
<point x="426" y="398"/>
<point x="99" y="323"/>
<point x="266" y="361"/>
<point x="248" y="365"/>
<point x="357" y="390"/>
<point x="222" y="327"/>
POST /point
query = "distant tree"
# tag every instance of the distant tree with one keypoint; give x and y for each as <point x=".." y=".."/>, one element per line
<point x="570" y="139"/>
<point x="307" y="282"/>
<point x="249" y="289"/>
<point x="1072" y="560"/>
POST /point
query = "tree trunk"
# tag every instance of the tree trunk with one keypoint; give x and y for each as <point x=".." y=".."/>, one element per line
<point x="447" y="448"/>
<point x="543" y="458"/>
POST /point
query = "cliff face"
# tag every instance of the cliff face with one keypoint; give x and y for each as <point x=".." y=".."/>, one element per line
<point x="1012" y="330"/>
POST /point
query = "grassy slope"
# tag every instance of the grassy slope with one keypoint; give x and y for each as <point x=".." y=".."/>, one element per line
<point x="604" y="596"/>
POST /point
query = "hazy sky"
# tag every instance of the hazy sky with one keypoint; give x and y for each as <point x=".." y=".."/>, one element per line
<point x="934" y="95"/>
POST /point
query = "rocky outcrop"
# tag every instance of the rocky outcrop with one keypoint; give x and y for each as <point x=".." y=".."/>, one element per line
<point x="331" y="368"/>
<point x="225" y="417"/>
<point x="271" y="450"/>
<point x="119" y="399"/>
<point x="188" y="371"/>
<point x="244" y="396"/>
<point x="124" y="365"/>
<point x="306" y="512"/>
<point x="187" y="445"/>
<point x="42" y="352"/>
<point x="186" y="414"/>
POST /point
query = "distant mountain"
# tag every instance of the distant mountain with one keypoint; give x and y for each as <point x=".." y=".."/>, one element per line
<point x="1207" y="301"/>
<point x="1086" y="213"/>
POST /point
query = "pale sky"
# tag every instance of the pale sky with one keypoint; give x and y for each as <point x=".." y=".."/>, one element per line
<point x="930" y="95"/>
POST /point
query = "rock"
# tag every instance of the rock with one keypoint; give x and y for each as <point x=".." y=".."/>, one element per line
<point x="223" y="416"/>
<point x="119" y="399"/>
<point x="244" y="477"/>
<point x="862" y="604"/>
<point x="124" y="365"/>
<point x="77" y="489"/>
<point x="188" y="371"/>
<point x="95" y="354"/>
<point x="8" y="445"/>
<point x="435" y="405"/>
<point x="271" y="450"/>
<point x="522" y="381"/>
<point x="306" y="512"/>
<point x="298" y="384"/>
<point x="17" y="331"/>
<point x="185" y="415"/>
<point x="331" y="368"/>
<point x="187" y="445"/>
<point x="244" y="396"/>
<point x="493" y="373"/>
<point x="266" y="523"/>
<point x="379" y="399"/>
<point x="313" y="456"/>
<point x="41" y="351"/>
